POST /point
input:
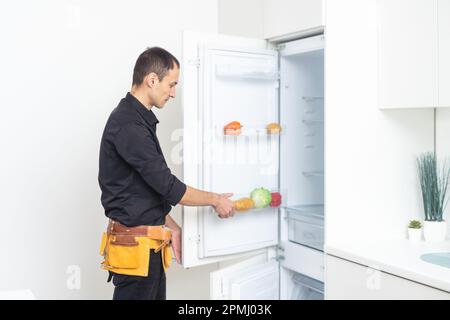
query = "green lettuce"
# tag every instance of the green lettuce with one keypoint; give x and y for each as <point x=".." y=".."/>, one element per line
<point x="261" y="197"/>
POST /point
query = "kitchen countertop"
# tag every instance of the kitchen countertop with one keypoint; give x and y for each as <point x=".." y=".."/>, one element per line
<point x="398" y="257"/>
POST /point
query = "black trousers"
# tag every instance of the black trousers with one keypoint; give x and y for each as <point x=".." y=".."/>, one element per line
<point x="152" y="287"/>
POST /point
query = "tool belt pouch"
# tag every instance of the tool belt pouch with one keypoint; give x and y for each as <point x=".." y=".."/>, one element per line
<point x="103" y="244"/>
<point x="167" y="257"/>
<point x="125" y="254"/>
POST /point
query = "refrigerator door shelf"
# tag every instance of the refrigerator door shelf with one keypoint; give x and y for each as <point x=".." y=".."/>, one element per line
<point x="253" y="146"/>
<point x="282" y="193"/>
<point x="243" y="72"/>
<point x="249" y="131"/>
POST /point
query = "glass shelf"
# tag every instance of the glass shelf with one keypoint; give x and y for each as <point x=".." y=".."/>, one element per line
<point x="312" y="210"/>
<point x="313" y="173"/>
<point x="312" y="121"/>
<point x="312" y="98"/>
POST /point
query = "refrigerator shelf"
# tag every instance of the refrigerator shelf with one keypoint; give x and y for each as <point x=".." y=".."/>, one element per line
<point x="313" y="173"/>
<point x="312" y="98"/>
<point x="312" y="122"/>
<point x="314" y="210"/>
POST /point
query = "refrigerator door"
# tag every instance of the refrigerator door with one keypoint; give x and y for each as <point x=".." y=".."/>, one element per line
<point x="228" y="79"/>
<point x="251" y="279"/>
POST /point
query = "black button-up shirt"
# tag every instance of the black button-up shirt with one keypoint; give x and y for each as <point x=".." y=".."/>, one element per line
<point x="137" y="186"/>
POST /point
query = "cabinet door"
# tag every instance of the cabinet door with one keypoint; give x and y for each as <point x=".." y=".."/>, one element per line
<point x="444" y="52"/>
<point x="348" y="280"/>
<point x="282" y="17"/>
<point x="407" y="53"/>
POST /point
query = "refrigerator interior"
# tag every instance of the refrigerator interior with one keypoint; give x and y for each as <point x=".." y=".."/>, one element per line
<point x="302" y="162"/>
<point x="302" y="115"/>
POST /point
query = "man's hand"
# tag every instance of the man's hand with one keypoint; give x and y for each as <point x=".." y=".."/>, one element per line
<point x="176" y="244"/>
<point x="224" y="206"/>
<point x="176" y="237"/>
<point x="220" y="202"/>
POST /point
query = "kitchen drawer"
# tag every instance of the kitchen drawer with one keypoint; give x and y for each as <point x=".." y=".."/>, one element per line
<point x="305" y="225"/>
<point x="347" y="280"/>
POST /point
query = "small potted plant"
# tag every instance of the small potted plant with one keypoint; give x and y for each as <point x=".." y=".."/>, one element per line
<point x="434" y="184"/>
<point x="415" y="231"/>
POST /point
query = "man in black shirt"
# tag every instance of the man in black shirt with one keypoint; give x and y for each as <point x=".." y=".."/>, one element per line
<point x="138" y="189"/>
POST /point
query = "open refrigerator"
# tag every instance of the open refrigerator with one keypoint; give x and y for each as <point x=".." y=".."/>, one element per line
<point x="279" y="249"/>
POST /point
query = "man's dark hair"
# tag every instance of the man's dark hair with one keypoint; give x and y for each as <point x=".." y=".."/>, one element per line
<point x="155" y="60"/>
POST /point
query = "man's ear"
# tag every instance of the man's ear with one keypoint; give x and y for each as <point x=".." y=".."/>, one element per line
<point x="151" y="79"/>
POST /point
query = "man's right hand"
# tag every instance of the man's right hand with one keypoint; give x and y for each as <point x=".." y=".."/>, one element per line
<point x="220" y="202"/>
<point x="224" y="206"/>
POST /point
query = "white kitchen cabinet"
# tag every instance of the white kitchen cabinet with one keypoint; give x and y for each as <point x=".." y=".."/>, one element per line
<point x="255" y="82"/>
<point x="444" y="52"/>
<point x="349" y="280"/>
<point x="283" y="17"/>
<point x="408" y="53"/>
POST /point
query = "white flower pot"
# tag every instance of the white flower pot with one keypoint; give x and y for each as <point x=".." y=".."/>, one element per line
<point x="434" y="231"/>
<point x="415" y="235"/>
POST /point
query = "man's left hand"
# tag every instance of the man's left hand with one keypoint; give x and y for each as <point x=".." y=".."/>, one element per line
<point x="176" y="244"/>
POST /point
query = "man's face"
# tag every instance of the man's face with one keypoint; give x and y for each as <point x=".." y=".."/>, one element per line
<point x="165" y="89"/>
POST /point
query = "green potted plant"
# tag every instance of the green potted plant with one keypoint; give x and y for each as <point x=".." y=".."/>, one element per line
<point x="434" y="185"/>
<point x="415" y="231"/>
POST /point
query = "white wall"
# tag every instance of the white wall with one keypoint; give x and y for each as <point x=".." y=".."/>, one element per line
<point x="371" y="183"/>
<point x="242" y="18"/>
<point x="65" y="65"/>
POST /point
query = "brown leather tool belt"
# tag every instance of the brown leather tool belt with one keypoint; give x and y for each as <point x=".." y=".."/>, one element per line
<point x="126" y="236"/>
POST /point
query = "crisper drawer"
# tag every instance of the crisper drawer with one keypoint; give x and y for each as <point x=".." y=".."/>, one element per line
<point x="302" y="259"/>
<point x="306" y="288"/>
<point x="306" y="225"/>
